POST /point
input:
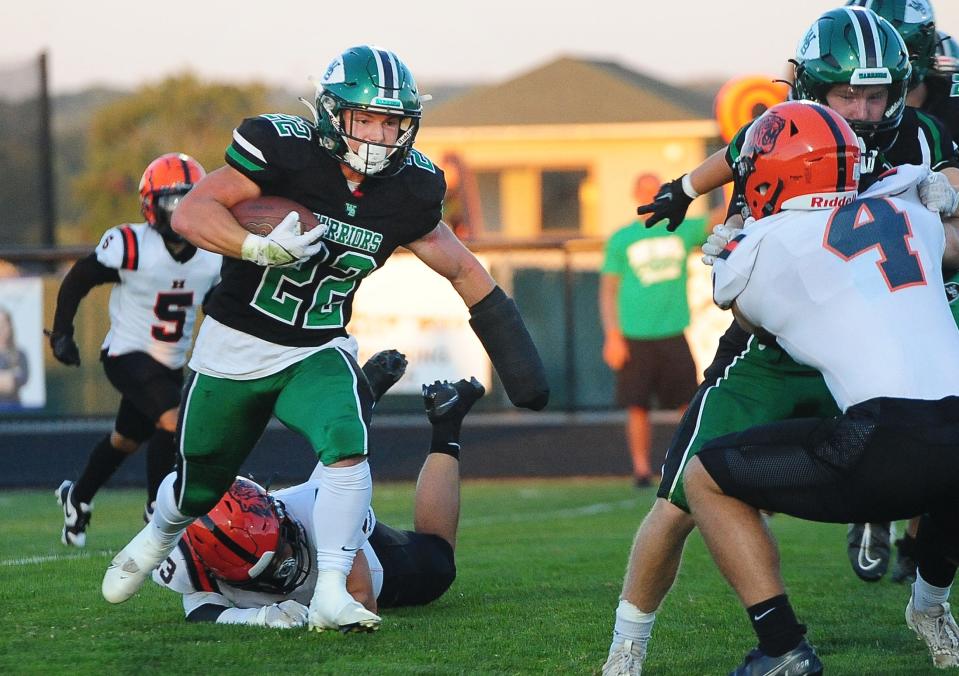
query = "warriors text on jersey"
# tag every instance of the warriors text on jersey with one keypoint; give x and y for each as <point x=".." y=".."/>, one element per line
<point x="856" y="293"/>
<point x="310" y="304"/>
<point x="183" y="572"/>
<point x="153" y="308"/>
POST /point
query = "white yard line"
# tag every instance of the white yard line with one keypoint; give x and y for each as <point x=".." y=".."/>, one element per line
<point x="36" y="560"/>
<point x="570" y="512"/>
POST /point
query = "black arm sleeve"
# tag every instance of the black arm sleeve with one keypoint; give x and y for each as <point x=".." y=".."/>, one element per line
<point x="497" y="323"/>
<point x="85" y="274"/>
<point x="208" y="612"/>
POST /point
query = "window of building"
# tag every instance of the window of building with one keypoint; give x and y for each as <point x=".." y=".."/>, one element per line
<point x="561" y="209"/>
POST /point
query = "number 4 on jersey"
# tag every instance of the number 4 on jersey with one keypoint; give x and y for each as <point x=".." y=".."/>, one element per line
<point x="874" y="223"/>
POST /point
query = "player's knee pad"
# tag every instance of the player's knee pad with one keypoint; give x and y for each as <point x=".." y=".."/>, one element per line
<point x="439" y="569"/>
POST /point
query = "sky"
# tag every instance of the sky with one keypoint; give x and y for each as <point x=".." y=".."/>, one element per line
<point x="124" y="44"/>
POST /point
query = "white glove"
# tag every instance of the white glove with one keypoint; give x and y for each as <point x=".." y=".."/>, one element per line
<point x="284" y="245"/>
<point x="717" y="241"/>
<point x="283" y="615"/>
<point x="937" y="194"/>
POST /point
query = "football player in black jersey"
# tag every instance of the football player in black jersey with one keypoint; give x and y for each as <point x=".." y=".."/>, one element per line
<point x="841" y="63"/>
<point x="275" y="342"/>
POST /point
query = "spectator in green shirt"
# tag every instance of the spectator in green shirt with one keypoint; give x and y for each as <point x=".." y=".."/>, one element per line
<point x="644" y="311"/>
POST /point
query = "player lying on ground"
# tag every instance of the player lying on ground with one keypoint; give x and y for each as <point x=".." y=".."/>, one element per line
<point x="249" y="561"/>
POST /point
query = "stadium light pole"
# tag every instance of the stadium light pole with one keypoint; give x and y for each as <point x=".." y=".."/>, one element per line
<point x="47" y="194"/>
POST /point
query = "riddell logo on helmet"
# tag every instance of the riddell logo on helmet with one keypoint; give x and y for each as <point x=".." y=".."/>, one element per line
<point x="817" y="202"/>
<point x="828" y="200"/>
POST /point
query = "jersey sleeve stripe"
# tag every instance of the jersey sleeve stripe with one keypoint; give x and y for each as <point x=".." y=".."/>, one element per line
<point x="131" y="249"/>
<point x="933" y="131"/>
<point x="233" y="155"/>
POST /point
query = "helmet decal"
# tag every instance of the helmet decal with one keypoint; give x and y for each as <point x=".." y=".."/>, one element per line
<point x="769" y="128"/>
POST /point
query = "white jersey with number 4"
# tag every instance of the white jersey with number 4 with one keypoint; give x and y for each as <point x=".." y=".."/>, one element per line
<point x="855" y="292"/>
<point x="153" y="308"/>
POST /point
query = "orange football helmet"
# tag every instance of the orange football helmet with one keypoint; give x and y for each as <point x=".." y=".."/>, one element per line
<point x="797" y="155"/>
<point x="248" y="541"/>
<point x="165" y="181"/>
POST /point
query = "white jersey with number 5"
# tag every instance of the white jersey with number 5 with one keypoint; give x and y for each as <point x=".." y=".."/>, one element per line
<point x="153" y="308"/>
<point x="855" y="292"/>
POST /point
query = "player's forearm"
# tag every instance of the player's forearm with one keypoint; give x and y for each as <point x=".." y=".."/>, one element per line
<point x="950" y="257"/>
<point x="209" y="225"/>
<point x="204" y="218"/>
<point x="85" y="274"/>
<point x="711" y="174"/>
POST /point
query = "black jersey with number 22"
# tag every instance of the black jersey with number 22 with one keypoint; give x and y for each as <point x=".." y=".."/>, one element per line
<point x="311" y="303"/>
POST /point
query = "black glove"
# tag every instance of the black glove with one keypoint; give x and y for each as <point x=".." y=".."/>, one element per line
<point x="64" y="348"/>
<point x="383" y="370"/>
<point x="670" y="202"/>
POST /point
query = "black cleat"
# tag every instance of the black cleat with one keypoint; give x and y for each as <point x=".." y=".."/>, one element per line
<point x="76" y="516"/>
<point x="868" y="549"/>
<point x="383" y="370"/>
<point x="800" y="661"/>
<point x="450" y="402"/>
<point x="904" y="572"/>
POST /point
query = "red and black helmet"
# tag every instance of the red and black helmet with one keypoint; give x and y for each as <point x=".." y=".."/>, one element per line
<point x="798" y="155"/>
<point x="248" y="541"/>
<point x="163" y="184"/>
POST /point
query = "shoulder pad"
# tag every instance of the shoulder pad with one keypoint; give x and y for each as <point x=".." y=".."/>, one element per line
<point x="119" y="248"/>
<point x="425" y="179"/>
<point x="270" y="143"/>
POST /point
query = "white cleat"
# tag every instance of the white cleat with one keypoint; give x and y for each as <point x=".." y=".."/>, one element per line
<point x="938" y="629"/>
<point x="625" y="659"/>
<point x="332" y="607"/>
<point x="130" y="568"/>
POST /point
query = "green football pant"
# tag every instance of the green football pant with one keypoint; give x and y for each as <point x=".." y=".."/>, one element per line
<point x="761" y="385"/>
<point x="324" y="397"/>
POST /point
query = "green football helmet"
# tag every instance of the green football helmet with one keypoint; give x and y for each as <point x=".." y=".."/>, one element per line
<point x="916" y="23"/>
<point x="855" y="46"/>
<point x="370" y="79"/>
<point x="946" y="61"/>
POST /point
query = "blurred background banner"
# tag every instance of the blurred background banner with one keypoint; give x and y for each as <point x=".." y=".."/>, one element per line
<point x="403" y="307"/>
<point x="21" y="304"/>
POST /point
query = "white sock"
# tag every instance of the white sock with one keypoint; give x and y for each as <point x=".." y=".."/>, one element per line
<point x="168" y="522"/>
<point x="925" y="596"/>
<point x="632" y="623"/>
<point x="341" y="506"/>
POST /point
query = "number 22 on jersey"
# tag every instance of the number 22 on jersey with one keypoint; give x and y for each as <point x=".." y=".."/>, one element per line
<point x="275" y="296"/>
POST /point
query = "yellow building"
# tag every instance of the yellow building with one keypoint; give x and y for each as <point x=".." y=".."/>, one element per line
<point x="555" y="152"/>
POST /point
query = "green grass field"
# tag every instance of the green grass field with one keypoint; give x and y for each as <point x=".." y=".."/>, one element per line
<point x="540" y="565"/>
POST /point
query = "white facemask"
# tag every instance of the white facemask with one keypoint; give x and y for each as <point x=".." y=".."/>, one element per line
<point x="369" y="159"/>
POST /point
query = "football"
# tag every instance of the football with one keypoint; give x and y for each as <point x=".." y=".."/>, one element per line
<point x="261" y="214"/>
